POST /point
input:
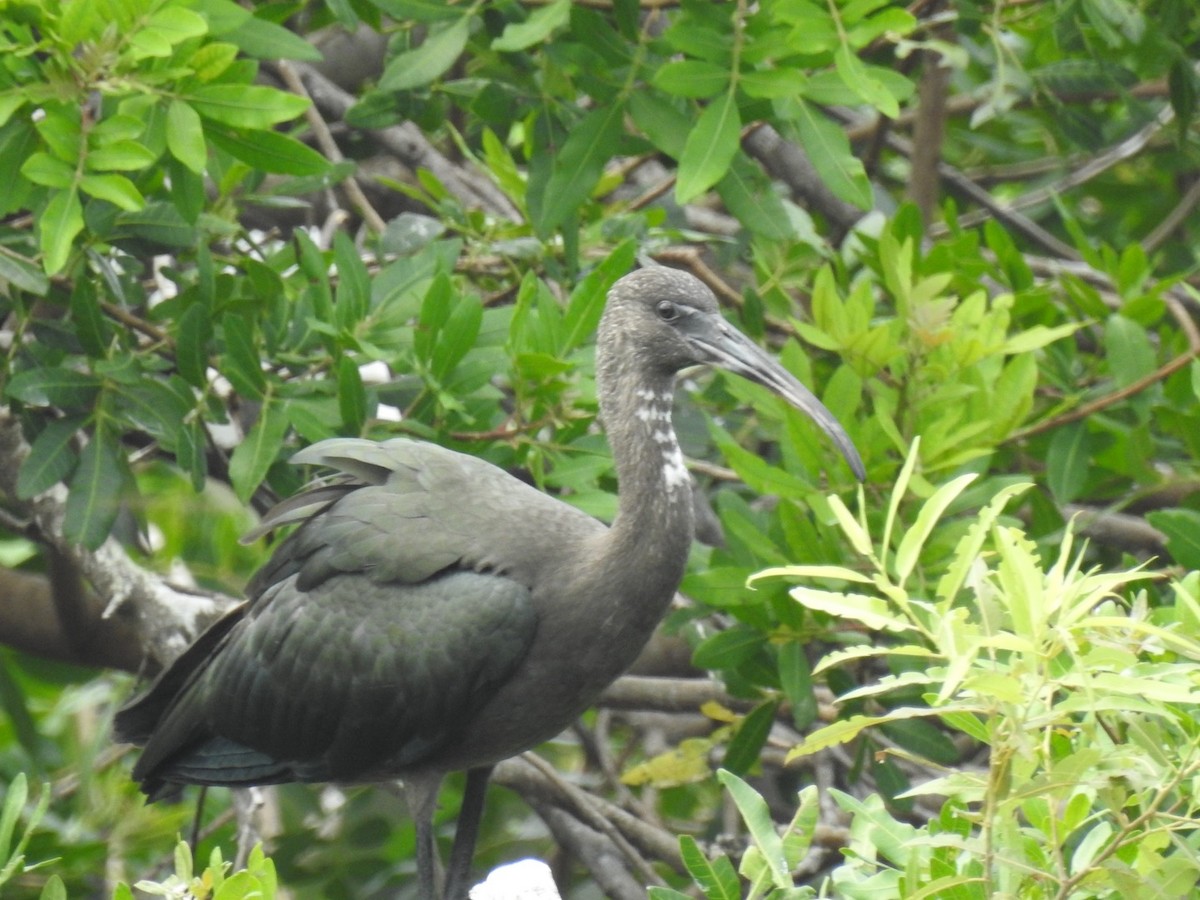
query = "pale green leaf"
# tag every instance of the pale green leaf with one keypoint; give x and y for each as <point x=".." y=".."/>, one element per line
<point x="42" y="168"/>
<point x="833" y="573"/>
<point x="760" y="825"/>
<point x="185" y="136"/>
<point x="246" y="105"/>
<point x="116" y="189"/>
<point x="931" y="512"/>
<point x="60" y="222"/>
<point x="873" y="612"/>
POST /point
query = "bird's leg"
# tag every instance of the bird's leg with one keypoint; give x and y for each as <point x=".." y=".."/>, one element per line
<point x="459" y="873"/>
<point x="421" y="796"/>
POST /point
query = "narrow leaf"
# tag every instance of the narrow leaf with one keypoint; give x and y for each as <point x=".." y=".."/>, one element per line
<point x="253" y="457"/>
<point x="709" y="149"/>
<point x="246" y="105"/>
<point x="751" y="735"/>
<point x="428" y="62"/>
<point x="95" y="491"/>
<point x="578" y="166"/>
<point x="829" y="149"/>
<point x="352" y="397"/>
<point x="716" y="877"/>
<point x="54" y="386"/>
<point x="931" y="512"/>
<point x="269" y="151"/>
<point x="51" y="458"/>
<point x="762" y="828"/>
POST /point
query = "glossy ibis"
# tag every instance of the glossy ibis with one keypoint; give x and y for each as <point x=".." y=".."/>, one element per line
<point x="432" y="613"/>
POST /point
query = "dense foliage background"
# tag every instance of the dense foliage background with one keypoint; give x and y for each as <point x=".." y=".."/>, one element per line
<point x="230" y="230"/>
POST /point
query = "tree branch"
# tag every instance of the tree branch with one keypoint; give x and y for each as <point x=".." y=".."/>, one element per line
<point x="159" y="618"/>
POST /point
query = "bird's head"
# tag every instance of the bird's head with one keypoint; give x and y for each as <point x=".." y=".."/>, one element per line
<point x="660" y="320"/>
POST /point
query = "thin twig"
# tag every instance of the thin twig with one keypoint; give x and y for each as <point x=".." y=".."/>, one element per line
<point x="329" y="146"/>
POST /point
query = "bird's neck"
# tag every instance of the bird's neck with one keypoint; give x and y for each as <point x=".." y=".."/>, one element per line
<point x="652" y="533"/>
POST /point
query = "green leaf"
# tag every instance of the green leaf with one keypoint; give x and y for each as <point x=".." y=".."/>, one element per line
<point x="116" y="189"/>
<point x="762" y="828"/>
<point x="253" y="456"/>
<point x="873" y="612"/>
<point x="726" y="649"/>
<point x="241" y="362"/>
<point x="14" y="803"/>
<point x="716" y="877"/>
<point x="750" y="737"/>
<point x="60" y="222"/>
<point x="42" y="168"/>
<point x="709" y="148"/>
<point x="165" y="28"/>
<point x="352" y="396"/>
<point x="858" y="78"/>
<point x="193" y="331"/>
<point x="795" y="677"/>
<point x="586" y="303"/>
<point x="95" y="491"/>
<point x="578" y="166"/>
<point x="54" y="889"/>
<point x="22" y="273"/>
<point x="1182" y="528"/>
<point x="270" y="151"/>
<point x="159" y="406"/>
<point x="353" y="293"/>
<point x="10" y="102"/>
<point x="829" y="149"/>
<point x="539" y="26"/>
<point x="430" y="61"/>
<point x="125" y="156"/>
<point x="749" y="195"/>
<point x="51" y="458"/>
<point x="1068" y="461"/>
<point x="185" y="136"/>
<point x="190" y="452"/>
<point x="90" y="326"/>
<point x="692" y="78"/>
<point x="261" y="39"/>
<point x="54" y="386"/>
<point x="1127" y="350"/>
<point x="160" y="223"/>
<point x="245" y="105"/>
<point x="931" y="512"/>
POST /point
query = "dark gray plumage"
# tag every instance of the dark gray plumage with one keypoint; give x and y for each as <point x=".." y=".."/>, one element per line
<point x="431" y="613"/>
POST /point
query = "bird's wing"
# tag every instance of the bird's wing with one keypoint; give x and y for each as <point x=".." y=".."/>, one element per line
<point x="404" y="597"/>
<point x="347" y="681"/>
<point x="403" y="511"/>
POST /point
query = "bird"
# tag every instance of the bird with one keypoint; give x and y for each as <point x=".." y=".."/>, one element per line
<point x="432" y="613"/>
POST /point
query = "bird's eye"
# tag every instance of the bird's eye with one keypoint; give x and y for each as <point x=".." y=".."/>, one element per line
<point x="667" y="311"/>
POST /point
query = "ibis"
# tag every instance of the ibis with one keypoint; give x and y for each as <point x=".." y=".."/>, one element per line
<point x="431" y="613"/>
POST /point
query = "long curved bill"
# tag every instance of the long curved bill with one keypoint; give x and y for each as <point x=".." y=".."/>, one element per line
<point x="723" y="345"/>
